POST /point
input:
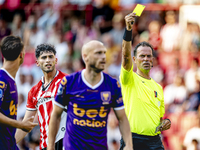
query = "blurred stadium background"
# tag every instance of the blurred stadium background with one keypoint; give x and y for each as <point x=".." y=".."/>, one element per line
<point x="171" y="26"/>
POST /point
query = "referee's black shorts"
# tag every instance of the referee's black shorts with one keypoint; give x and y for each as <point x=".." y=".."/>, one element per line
<point x="143" y="142"/>
<point x="58" y="145"/>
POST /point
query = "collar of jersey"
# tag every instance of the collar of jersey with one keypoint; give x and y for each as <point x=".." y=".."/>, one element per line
<point x="143" y="77"/>
<point x="7" y="73"/>
<point x="88" y="84"/>
<point x="51" y="80"/>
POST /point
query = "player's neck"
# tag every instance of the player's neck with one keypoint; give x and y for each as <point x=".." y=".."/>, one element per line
<point x="11" y="67"/>
<point x="92" y="77"/>
<point x="48" y="77"/>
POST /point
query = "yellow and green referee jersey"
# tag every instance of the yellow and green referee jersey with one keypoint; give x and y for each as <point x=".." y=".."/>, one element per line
<point x="143" y="101"/>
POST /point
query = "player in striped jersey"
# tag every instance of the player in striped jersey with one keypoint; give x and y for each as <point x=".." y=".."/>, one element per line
<point x="89" y="95"/>
<point x="12" y="49"/>
<point x="41" y="96"/>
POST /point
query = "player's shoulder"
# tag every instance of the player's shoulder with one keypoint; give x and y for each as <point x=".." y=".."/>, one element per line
<point x="71" y="78"/>
<point x="61" y="74"/>
<point x="36" y="87"/>
<point x="3" y="76"/>
<point x="74" y="75"/>
<point x="158" y="85"/>
<point x="108" y="78"/>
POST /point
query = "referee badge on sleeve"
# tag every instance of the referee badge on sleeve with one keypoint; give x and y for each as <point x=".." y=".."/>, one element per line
<point x="156" y="94"/>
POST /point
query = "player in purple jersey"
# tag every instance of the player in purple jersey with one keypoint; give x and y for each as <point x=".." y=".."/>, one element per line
<point x="89" y="95"/>
<point x="12" y="50"/>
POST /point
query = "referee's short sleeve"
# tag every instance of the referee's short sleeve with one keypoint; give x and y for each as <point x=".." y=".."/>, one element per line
<point x="126" y="77"/>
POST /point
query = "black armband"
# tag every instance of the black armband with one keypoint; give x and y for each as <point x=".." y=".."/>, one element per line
<point x="127" y="35"/>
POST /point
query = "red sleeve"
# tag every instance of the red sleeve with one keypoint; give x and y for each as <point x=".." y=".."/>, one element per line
<point x="31" y="101"/>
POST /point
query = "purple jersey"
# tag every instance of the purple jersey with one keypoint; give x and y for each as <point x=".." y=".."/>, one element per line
<point x="88" y="108"/>
<point x="8" y="107"/>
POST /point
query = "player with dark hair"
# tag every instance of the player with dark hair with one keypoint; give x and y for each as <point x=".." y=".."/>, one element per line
<point x="143" y="97"/>
<point x="41" y="96"/>
<point x="89" y="95"/>
<point x="44" y="48"/>
<point x="12" y="50"/>
<point x="12" y="45"/>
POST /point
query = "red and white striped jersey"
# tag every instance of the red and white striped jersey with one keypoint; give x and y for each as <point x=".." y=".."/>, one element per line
<point x="42" y="100"/>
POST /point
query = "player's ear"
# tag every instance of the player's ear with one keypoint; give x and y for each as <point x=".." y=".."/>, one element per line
<point x="84" y="57"/>
<point x="37" y="63"/>
<point x="153" y="58"/>
<point x="56" y="60"/>
<point x="22" y="53"/>
<point x="134" y="59"/>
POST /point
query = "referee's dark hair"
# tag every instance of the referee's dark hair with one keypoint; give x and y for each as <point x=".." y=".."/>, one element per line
<point x="142" y="44"/>
<point x="44" y="48"/>
<point x="11" y="47"/>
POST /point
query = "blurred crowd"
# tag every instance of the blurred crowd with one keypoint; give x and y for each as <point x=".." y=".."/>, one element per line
<point x="68" y="24"/>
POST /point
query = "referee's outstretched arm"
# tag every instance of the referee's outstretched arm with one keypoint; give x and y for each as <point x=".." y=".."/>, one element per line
<point x="126" y="44"/>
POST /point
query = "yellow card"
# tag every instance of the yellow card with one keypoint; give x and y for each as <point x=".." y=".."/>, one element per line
<point x="139" y="9"/>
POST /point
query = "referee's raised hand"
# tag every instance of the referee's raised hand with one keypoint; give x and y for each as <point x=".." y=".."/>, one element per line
<point x="130" y="19"/>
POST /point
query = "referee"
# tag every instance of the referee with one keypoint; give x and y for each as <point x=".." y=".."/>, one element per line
<point x="143" y="97"/>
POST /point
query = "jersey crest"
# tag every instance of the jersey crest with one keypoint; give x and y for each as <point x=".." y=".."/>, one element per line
<point x="105" y="97"/>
